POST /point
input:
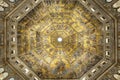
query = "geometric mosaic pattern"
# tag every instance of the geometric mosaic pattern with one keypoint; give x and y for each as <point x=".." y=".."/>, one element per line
<point x="80" y="38"/>
<point x="59" y="39"/>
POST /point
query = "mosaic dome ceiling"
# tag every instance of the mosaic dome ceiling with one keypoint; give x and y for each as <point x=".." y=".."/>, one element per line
<point x="59" y="39"/>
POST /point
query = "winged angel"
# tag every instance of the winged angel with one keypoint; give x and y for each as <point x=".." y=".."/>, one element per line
<point x="117" y="5"/>
<point x="3" y="4"/>
<point x="3" y="74"/>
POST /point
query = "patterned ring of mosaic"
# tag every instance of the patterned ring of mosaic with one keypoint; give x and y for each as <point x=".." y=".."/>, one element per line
<point x="81" y="35"/>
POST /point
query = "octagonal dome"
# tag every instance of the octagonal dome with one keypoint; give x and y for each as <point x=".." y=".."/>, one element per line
<point x="60" y="39"/>
<point x="81" y="45"/>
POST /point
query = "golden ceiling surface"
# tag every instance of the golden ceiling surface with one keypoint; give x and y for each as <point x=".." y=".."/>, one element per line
<point x="60" y="40"/>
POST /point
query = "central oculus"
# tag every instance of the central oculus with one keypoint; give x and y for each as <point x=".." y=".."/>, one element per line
<point x="59" y="39"/>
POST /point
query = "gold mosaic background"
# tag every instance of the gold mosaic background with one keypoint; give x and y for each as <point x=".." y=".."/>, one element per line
<point x="81" y="45"/>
